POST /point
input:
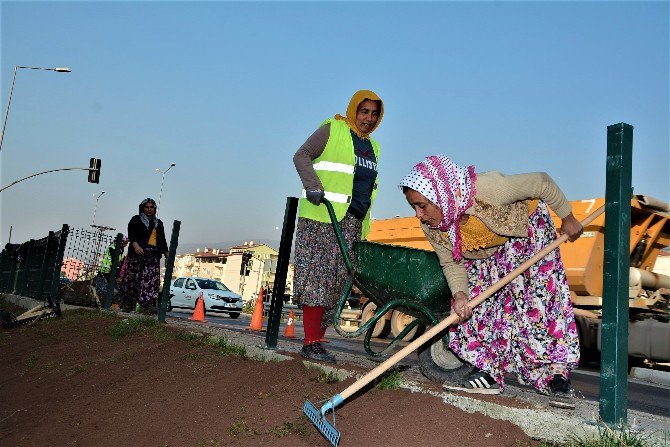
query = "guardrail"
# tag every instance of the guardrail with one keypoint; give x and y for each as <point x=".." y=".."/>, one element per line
<point x="351" y="315"/>
<point x="33" y="268"/>
<point x="286" y="309"/>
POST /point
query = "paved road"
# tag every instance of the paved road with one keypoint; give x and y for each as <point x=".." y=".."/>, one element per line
<point x="642" y="396"/>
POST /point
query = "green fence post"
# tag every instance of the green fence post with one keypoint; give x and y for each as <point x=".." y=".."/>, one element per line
<point x="7" y="267"/>
<point x="3" y="281"/>
<point x="109" y="296"/>
<point x="14" y="273"/>
<point x="614" y="328"/>
<point x="45" y="260"/>
<point x="25" y="268"/>
<point x="54" y="289"/>
<point x="277" y="300"/>
<point x="169" y="265"/>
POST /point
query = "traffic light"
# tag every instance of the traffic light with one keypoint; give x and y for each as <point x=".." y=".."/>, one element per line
<point x="246" y="263"/>
<point x="94" y="170"/>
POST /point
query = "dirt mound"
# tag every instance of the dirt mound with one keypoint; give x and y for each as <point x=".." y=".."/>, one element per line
<point x="87" y="379"/>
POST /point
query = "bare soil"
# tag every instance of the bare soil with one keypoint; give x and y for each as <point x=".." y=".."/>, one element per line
<point x="68" y="381"/>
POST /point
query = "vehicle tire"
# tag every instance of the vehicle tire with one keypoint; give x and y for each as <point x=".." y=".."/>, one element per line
<point x="399" y="321"/>
<point x="438" y="363"/>
<point x="588" y="351"/>
<point x="170" y="307"/>
<point x="234" y="315"/>
<point x="383" y="328"/>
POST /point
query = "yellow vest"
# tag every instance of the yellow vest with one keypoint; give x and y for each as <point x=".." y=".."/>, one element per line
<point x="335" y="168"/>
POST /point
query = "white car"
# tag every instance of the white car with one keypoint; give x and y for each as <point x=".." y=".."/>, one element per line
<point x="184" y="292"/>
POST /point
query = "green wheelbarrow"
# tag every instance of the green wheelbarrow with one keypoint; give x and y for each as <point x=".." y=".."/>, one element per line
<point x="399" y="278"/>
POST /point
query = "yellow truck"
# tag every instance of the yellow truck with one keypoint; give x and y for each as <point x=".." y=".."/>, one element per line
<point x="649" y="292"/>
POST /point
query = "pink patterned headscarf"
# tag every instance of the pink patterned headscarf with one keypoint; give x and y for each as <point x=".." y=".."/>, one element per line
<point x="447" y="185"/>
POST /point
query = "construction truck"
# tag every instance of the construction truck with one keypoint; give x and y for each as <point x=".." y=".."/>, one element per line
<point x="649" y="292"/>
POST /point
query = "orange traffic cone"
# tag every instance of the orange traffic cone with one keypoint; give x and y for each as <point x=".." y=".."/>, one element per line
<point x="289" y="332"/>
<point x="257" y="316"/>
<point x="199" y="312"/>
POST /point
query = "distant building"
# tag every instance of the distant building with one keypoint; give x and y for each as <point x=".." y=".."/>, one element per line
<point x="72" y="268"/>
<point x="244" y="268"/>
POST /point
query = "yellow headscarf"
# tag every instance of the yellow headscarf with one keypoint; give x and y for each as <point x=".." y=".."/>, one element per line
<point x="358" y="98"/>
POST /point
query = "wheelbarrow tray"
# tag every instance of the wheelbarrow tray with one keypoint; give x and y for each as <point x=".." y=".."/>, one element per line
<point x="387" y="272"/>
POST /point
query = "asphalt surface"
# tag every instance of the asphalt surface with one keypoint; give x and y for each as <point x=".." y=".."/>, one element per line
<point x="642" y="396"/>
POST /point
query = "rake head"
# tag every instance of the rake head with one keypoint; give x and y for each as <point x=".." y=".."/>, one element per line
<point x="320" y="421"/>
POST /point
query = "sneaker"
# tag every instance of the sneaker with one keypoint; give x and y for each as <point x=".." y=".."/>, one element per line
<point x="477" y="382"/>
<point x="315" y="351"/>
<point x="561" y="394"/>
<point x="126" y="308"/>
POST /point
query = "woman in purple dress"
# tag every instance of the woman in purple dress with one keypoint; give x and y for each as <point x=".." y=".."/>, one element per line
<point x="482" y="226"/>
<point x="141" y="279"/>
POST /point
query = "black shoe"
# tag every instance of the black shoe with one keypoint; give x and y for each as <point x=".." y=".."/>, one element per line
<point x="477" y="382"/>
<point x="149" y="310"/>
<point x="561" y="394"/>
<point x="316" y="352"/>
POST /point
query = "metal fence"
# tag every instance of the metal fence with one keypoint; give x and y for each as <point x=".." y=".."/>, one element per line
<point x="33" y="268"/>
<point x="81" y="261"/>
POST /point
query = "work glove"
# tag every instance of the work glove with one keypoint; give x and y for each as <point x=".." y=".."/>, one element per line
<point x="315" y="196"/>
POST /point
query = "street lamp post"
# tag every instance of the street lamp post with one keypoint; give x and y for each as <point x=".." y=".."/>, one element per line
<point x="11" y="91"/>
<point x="95" y="207"/>
<point x="172" y="165"/>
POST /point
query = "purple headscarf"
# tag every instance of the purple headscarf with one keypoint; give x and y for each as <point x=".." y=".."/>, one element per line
<point x="447" y="185"/>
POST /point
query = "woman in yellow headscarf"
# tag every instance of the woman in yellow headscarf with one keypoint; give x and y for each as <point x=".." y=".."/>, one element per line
<point x="339" y="162"/>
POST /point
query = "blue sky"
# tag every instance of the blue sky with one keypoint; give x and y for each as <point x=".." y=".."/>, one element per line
<point x="229" y="91"/>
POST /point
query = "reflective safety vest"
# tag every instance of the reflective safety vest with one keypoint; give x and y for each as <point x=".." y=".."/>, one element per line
<point x="106" y="263"/>
<point x="335" y="168"/>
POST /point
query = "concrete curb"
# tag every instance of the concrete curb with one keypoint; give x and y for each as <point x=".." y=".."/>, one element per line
<point x="651" y="375"/>
<point x="29" y="303"/>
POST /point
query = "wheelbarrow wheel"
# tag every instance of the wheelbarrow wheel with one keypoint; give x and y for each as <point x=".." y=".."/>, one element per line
<point x="383" y="328"/>
<point x="400" y="320"/>
<point x="439" y="364"/>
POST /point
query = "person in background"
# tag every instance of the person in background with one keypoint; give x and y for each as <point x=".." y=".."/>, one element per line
<point x="141" y="279"/>
<point x="482" y="226"/>
<point x="338" y="162"/>
<point x="101" y="280"/>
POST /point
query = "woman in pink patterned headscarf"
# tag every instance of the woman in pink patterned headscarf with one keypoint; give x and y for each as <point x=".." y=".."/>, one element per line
<point x="482" y="226"/>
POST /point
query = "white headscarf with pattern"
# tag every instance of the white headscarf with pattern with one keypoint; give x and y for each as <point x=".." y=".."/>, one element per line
<point x="447" y="185"/>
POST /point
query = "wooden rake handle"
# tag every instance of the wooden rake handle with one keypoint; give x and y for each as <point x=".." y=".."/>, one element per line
<point x="453" y="318"/>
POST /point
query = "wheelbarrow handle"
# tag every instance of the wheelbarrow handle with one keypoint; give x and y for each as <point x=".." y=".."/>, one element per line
<point x="338" y="234"/>
<point x="453" y="318"/>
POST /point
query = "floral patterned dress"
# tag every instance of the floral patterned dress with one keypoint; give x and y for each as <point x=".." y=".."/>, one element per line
<point x="141" y="280"/>
<point x="528" y="327"/>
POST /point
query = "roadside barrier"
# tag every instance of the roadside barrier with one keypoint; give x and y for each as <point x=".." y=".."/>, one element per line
<point x="33" y="268"/>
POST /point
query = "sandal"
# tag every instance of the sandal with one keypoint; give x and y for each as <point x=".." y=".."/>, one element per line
<point x="477" y="382"/>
